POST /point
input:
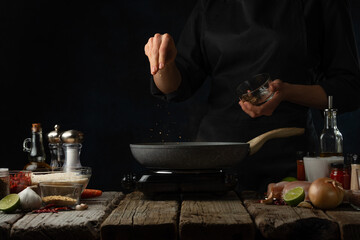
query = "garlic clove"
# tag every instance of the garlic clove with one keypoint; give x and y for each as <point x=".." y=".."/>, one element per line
<point x="29" y="199"/>
<point x="81" y="207"/>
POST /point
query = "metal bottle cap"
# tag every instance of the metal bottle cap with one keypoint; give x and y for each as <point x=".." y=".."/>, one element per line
<point x="54" y="136"/>
<point x="72" y="136"/>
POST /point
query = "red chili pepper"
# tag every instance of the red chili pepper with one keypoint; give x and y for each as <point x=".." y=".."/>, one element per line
<point x="90" y="193"/>
<point x="19" y="181"/>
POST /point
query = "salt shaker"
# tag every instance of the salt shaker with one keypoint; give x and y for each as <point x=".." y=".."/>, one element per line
<point x="355" y="164"/>
<point x="72" y="140"/>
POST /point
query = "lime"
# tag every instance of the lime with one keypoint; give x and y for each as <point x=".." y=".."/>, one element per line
<point x="10" y="203"/>
<point x="294" y="196"/>
<point x="289" y="179"/>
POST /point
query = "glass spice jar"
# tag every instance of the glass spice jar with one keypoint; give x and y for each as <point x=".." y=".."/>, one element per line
<point x="300" y="166"/>
<point x="341" y="174"/>
<point x="4" y="182"/>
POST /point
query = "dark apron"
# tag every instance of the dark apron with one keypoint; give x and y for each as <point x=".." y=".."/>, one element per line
<point x="256" y="36"/>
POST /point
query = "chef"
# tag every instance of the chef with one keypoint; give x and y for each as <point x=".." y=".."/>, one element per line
<point x="308" y="48"/>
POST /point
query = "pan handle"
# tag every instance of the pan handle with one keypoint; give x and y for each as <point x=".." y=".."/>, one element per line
<point x="258" y="142"/>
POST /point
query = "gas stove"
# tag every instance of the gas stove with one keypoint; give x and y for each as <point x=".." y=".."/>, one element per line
<point x="216" y="181"/>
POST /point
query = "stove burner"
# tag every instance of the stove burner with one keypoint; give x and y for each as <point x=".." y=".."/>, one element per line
<point x="187" y="181"/>
<point x="187" y="172"/>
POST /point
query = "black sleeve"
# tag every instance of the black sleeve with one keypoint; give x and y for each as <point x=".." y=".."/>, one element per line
<point x="190" y="59"/>
<point x="340" y="63"/>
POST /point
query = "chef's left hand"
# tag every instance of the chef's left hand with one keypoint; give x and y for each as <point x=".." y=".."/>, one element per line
<point x="266" y="109"/>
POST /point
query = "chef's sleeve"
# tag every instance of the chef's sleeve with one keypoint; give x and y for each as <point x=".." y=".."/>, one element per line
<point x="190" y="59"/>
<point x="340" y="65"/>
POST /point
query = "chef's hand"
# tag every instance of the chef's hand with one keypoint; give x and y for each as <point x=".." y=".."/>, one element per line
<point x="160" y="51"/>
<point x="266" y="109"/>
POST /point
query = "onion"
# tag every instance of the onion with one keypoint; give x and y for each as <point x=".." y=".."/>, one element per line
<point x="326" y="193"/>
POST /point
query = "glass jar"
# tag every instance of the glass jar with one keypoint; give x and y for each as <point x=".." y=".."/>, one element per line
<point x="300" y="166"/>
<point x="4" y="182"/>
<point x="340" y="173"/>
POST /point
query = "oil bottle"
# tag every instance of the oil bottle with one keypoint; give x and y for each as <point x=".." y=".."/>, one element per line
<point x="36" y="150"/>
<point x="331" y="139"/>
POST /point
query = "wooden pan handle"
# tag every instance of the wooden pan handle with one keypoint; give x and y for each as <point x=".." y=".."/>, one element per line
<point x="258" y="142"/>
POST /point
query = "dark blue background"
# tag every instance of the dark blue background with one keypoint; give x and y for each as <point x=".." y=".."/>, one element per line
<point x="82" y="66"/>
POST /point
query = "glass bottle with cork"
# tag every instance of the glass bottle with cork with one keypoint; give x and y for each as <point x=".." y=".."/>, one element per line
<point x="331" y="140"/>
<point x="36" y="150"/>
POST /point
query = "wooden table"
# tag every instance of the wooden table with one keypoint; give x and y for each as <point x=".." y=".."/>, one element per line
<point x="62" y="225"/>
<point x="188" y="216"/>
<point x="224" y="217"/>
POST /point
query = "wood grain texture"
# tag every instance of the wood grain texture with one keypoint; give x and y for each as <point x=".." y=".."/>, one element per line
<point x="349" y="222"/>
<point x="285" y="222"/>
<point x="6" y="222"/>
<point x="137" y="217"/>
<point x="214" y="217"/>
<point x="69" y="224"/>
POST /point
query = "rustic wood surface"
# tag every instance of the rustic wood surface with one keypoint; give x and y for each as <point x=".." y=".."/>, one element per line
<point x="6" y="222"/>
<point x="189" y="216"/>
<point x="137" y="217"/>
<point x="348" y="220"/>
<point x="214" y="217"/>
<point x="67" y="224"/>
<point x="285" y="222"/>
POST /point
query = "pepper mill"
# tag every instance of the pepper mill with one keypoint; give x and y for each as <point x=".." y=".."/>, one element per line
<point x="55" y="147"/>
<point x="72" y="140"/>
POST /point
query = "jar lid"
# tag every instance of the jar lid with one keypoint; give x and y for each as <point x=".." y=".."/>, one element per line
<point x="337" y="165"/>
<point x="4" y="172"/>
<point x="72" y="136"/>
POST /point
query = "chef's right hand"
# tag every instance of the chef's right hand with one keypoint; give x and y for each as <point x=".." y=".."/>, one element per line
<point x="160" y="51"/>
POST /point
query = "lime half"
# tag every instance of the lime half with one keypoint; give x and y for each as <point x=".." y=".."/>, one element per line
<point x="289" y="179"/>
<point x="294" y="196"/>
<point x="10" y="203"/>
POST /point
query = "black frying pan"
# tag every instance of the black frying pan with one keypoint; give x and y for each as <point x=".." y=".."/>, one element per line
<point x="202" y="155"/>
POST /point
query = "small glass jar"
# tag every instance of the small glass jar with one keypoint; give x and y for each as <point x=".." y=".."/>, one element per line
<point x="340" y="173"/>
<point x="300" y="166"/>
<point x="4" y="182"/>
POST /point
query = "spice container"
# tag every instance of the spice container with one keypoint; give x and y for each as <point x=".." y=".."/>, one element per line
<point x="4" y="182"/>
<point x="19" y="180"/>
<point x="72" y="140"/>
<point x="300" y="166"/>
<point x="55" y="147"/>
<point x="355" y="164"/>
<point x="340" y="173"/>
<point x="354" y="198"/>
<point x="60" y="194"/>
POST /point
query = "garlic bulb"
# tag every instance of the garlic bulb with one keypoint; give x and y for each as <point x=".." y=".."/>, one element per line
<point x="29" y="200"/>
<point x="81" y="207"/>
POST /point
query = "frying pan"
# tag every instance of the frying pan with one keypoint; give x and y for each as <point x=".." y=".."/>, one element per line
<point x="203" y="155"/>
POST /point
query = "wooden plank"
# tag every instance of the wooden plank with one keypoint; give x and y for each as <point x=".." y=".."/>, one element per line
<point x="69" y="224"/>
<point x="285" y="222"/>
<point x="138" y="217"/>
<point x="214" y="217"/>
<point x="348" y="220"/>
<point x="6" y="222"/>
